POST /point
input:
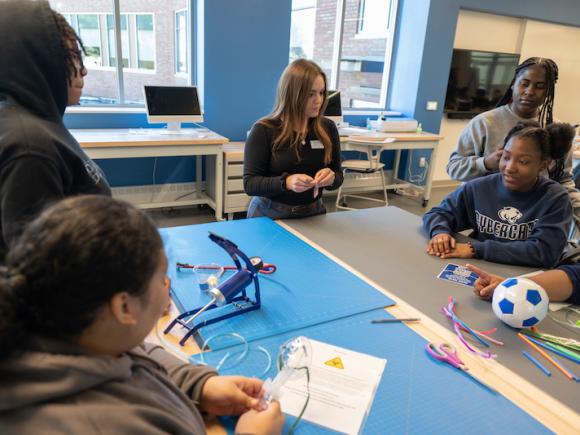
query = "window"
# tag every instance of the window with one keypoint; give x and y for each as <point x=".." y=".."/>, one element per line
<point x="150" y="50"/>
<point x="352" y="41"/>
<point x="87" y="27"/>
<point x="145" y="42"/>
<point x="373" y="18"/>
<point x="113" y="43"/>
<point x="180" y="42"/>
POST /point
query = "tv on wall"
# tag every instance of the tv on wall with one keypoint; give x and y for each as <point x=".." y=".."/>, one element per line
<point x="477" y="80"/>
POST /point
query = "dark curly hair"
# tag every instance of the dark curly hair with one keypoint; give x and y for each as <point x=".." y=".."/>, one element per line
<point x="71" y="44"/>
<point x="554" y="141"/>
<point x="68" y="263"/>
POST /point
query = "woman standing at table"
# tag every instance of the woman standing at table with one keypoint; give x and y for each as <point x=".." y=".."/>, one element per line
<point x="40" y="74"/>
<point x="293" y="154"/>
<point x="529" y="97"/>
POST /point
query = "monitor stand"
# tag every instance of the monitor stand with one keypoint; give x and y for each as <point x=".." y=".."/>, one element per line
<point x="175" y="128"/>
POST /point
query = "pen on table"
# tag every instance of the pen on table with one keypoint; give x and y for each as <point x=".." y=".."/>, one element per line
<point x="537" y="363"/>
<point x="395" y="320"/>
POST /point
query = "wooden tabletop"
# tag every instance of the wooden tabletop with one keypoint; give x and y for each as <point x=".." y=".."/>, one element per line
<point x="234" y="150"/>
<point x="136" y="137"/>
<point x="399" y="137"/>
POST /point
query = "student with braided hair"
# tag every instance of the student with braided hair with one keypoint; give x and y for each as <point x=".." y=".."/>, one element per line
<point x="517" y="216"/>
<point x="42" y="73"/>
<point x="529" y="97"/>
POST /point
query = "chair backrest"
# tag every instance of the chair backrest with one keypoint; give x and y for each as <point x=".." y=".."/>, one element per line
<point x="372" y="148"/>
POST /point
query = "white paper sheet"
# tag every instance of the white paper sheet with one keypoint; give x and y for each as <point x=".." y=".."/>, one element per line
<point x="342" y="387"/>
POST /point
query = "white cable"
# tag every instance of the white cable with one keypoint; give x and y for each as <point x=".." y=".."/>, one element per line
<point x="153" y="176"/>
<point x="243" y="354"/>
<point x="169" y="345"/>
<point x="419" y="178"/>
<point x="269" y="365"/>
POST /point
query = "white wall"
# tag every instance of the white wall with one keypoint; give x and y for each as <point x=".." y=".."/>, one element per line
<point x="561" y="43"/>
<point x="488" y="32"/>
<point x="476" y="31"/>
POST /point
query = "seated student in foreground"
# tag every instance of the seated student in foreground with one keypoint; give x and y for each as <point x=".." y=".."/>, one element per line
<point x="561" y="284"/>
<point x="517" y="216"/>
<point x="81" y="288"/>
<point x="293" y="154"/>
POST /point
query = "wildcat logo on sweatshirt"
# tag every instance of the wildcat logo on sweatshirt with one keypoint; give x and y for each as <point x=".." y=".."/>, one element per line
<point x="509" y="229"/>
<point x="510" y="214"/>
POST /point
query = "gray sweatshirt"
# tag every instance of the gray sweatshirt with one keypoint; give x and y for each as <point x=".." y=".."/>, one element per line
<point x="59" y="389"/>
<point x="482" y="136"/>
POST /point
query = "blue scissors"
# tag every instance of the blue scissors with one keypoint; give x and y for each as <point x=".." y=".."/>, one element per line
<point x="447" y="353"/>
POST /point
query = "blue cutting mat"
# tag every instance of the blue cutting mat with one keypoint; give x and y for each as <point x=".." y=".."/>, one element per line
<point x="308" y="288"/>
<point x="416" y="395"/>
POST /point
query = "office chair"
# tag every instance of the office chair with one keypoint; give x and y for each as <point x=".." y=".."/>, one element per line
<point x="367" y="168"/>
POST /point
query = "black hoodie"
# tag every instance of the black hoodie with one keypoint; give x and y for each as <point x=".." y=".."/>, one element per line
<point x="40" y="161"/>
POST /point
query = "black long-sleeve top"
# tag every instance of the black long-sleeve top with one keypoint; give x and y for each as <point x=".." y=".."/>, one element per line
<point x="265" y="175"/>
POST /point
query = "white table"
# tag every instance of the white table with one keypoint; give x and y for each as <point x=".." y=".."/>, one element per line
<point x="131" y="143"/>
<point x="403" y="141"/>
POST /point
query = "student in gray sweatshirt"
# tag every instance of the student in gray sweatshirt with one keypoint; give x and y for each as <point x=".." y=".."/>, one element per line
<point x="529" y="97"/>
<point x="81" y="288"/>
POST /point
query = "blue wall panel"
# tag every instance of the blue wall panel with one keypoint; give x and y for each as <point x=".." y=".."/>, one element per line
<point x="247" y="45"/>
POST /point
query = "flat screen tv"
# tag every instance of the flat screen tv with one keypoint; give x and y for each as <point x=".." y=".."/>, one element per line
<point x="477" y="80"/>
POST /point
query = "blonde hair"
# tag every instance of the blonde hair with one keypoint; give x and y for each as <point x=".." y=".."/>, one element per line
<point x="289" y="112"/>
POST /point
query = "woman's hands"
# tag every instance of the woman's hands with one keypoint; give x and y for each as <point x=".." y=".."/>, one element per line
<point x="267" y="422"/>
<point x="238" y="395"/>
<point x="301" y="182"/>
<point x="230" y="395"/>
<point x="445" y="246"/>
<point x="324" y="177"/>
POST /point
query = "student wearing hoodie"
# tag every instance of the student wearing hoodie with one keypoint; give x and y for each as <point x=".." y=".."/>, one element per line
<point x="40" y="74"/>
<point x="517" y="216"/>
<point x="80" y="290"/>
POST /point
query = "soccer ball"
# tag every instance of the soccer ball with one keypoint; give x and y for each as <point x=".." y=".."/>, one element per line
<point x="520" y="302"/>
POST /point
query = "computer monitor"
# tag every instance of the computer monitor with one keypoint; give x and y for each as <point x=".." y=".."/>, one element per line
<point x="173" y="105"/>
<point x="333" y="109"/>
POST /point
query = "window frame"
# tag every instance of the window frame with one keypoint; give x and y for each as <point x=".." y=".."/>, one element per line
<point x="361" y="33"/>
<point x="389" y="35"/>
<point x="177" y="45"/>
<point x="122" y="106"/>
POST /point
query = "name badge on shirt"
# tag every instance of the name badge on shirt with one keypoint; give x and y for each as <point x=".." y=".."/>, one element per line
<point x="316" y="145"/>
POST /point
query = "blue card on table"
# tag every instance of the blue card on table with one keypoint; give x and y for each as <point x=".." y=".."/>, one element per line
<point x="458" y="274"/>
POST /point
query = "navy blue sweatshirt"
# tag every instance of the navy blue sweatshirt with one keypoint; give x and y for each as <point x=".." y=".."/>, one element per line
<point x="521" y="228"/>
<point x="573" y="272"/>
